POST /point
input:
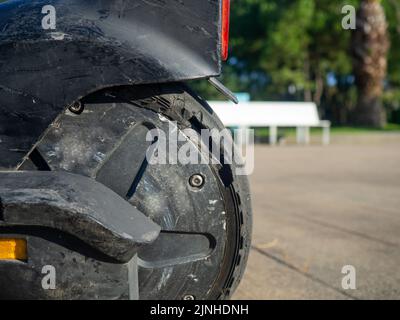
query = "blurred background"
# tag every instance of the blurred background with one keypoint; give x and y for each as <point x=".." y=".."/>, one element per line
<point x="319" y="208"/>
<point x="298" y="50"/>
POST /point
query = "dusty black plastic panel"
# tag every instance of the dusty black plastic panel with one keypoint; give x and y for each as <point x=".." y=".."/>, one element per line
<point x="78" y="206"/>
<point x="96" y="44"/>
<point x="80" y="272"/>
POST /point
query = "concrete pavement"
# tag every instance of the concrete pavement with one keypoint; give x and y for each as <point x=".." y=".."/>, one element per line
<point x="317" y="209"/>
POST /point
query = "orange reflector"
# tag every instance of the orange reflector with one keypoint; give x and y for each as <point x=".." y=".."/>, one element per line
<point x="13" y="249"/>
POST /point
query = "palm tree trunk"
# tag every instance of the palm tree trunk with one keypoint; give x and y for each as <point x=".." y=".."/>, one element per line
<point x="370" y="46"/>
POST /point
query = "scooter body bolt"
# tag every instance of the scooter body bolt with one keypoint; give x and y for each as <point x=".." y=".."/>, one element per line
<point x="77" y="107"/>
<point x="196" y="181"/>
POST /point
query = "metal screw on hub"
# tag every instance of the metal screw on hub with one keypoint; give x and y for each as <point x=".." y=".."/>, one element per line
<point x="76" y="108"/>
<point x="196" y="181"/>
<point x="188" y="297"/>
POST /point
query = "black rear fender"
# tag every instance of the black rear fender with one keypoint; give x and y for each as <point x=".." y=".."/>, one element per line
<point x="96" y="44"/>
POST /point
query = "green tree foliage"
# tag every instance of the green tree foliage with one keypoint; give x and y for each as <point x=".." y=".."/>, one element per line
<point x="298" y="50"/>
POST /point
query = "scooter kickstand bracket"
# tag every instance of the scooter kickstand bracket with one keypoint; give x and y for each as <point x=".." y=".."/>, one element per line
<point x="224" y="90"/>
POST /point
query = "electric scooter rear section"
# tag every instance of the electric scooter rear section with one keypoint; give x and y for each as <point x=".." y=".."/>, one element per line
<point x="78" y="195"/>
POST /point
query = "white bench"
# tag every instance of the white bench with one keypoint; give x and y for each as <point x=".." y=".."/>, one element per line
<point x="301" y="115"/>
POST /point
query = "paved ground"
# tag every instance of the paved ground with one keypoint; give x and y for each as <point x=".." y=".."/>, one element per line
<point x="320" y="208"/>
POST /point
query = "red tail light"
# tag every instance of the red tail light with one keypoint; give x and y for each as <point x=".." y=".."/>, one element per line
<point x="226" y="4"/>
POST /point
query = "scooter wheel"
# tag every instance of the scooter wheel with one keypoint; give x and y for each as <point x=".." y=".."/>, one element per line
<point x="203" y="209"/>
